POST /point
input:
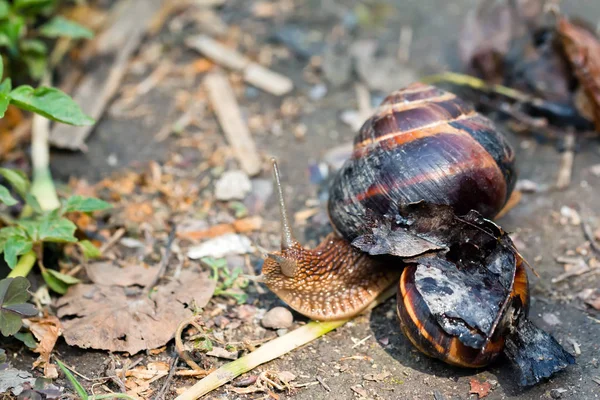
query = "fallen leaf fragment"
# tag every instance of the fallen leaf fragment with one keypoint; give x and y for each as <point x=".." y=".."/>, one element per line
<point x="583" y="51"/>
<point x="360" y="391"/>
<point x="222" y="353"/>
<point x="14" y="380"/>
<point x="377" y="377"/>
<point x="46" y="330"/>
<point x="238" y="226"/>
<point x="107" y="273"/>
<point x="481" y="389"/>
<point x="115" y="319"/>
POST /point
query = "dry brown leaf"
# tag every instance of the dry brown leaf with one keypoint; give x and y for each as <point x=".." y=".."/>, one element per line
<point x="488" y="32"/>
<point x="106" y="273"/>
<point x="481" y="389"/>
<point x="583" y="51"/>
<point x="238" y="226"/>
<point x="112" y="318"/>
<point x="46" y="330"/>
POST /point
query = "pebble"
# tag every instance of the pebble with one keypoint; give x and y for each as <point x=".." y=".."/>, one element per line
<point x="551" y="319"/>
<point x="318" y="91"/>
<point x="233" y="185"/>
<point x="557" y="393"/>
<point x="221" y="246"/>
<point x="278" y="318"/>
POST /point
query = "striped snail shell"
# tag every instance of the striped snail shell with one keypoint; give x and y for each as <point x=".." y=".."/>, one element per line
<point x="423" y="143"/>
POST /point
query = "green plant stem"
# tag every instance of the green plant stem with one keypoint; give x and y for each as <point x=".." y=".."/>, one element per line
<point x="476" y="83"/>
<point x="24" y="265"/>
<point x="42" y="186"/>
<point x="270" y="351"/>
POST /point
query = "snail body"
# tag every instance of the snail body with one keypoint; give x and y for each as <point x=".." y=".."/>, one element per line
<point x="412" y="207"/>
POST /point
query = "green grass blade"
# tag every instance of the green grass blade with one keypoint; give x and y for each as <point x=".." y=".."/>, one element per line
<point x="76" y="385"/>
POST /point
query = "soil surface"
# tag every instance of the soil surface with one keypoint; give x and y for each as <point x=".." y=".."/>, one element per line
<point x="119" y="143"/>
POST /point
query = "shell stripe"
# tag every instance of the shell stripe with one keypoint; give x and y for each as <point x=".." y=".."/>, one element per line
<point x="487" y="162"/>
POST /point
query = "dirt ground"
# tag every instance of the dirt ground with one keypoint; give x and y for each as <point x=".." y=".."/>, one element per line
<point x="128" y="142"/>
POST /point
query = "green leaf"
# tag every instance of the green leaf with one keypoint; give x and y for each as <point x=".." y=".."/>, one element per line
<point x="33" y="203"/>
<point x="89" y="250"/>
<point x="59" y="26"/>
<point x="12" y="29"/>
<point x="27" y="339"/>
<point x="6" y="197"/>
<point x="76" y="385"/>
<point x="56" y="229"/>
<point x="64" y="278"/>
<point x="13" y="306"/>
<point x="33" y="46"/>
<point x="85" y="204"/>
<point x="17" y="179"/>
<point x="4" y="102"/>
<point x="50" y="103"/>
<point x="5" y="86"/>
<point x="33" y="5"/>
<point x="8" y="232"/>
<point x="4" y="10"/>
<point x="14" y="247"/>
<point x="54" y="283"/>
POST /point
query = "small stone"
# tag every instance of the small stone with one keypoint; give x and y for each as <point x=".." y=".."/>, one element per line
<point x="318" y="91"/>
<point x="551" y="319"/>
<point x="233" y="185"/>
<point x="278" y="318"/>
<point x="527" y="186"/>
<point x="569" y="215"/>
<point x="557" y="393"/>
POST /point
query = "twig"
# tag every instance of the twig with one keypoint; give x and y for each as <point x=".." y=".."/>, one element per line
<point x="259" y="289"/>
<point x="566" y="163"/>
<point x="120" y="40"/>
<point x="406" y="35"/>
<point x="223" y="101"/>
<point x="270" y="351"/>
<point x="476" y="83"/>
<point x="164" y="260"/>
<point x="179" y="343"/>
<point x="587" y="232"/>
<point x="254" y="74"/>
<point x="165" y="385"/>
<point x="112" y="240"/>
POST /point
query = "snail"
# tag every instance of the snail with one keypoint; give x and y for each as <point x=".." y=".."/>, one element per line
<point x="413" y="207"/>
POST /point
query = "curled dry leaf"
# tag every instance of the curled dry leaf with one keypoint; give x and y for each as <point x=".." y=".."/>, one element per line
<point x="112" y="318"/>
<point x="46" y="331"/>
<point x="482" y="389"/>
<point x="139" y="379"/>
<point x="106" y="273"/>
<point x="583" y="51"/>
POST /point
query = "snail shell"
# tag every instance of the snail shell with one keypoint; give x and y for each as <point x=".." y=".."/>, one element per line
<point x="423" y="143"/>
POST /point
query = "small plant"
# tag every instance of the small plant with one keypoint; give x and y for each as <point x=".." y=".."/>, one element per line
<point x="229" y="283"/>
<point x="81" y="392"/>
<point x="43" y="218"/>
<point x="25" y="28"/>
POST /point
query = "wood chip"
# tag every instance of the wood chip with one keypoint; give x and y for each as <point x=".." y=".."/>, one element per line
<point x="254" y="74"/>
<point x="117" y="43"/>
<point x="236" y="131"/>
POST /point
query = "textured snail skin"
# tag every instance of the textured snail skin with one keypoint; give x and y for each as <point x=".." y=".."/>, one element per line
<point x="333" y="281"/>
<point x="423" y="330"/>
<point x="423" y="143"/>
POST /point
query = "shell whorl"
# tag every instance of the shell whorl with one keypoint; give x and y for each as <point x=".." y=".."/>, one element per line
<point x="422" y="143"/>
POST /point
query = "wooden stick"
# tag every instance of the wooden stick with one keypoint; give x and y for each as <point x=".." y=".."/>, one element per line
<point x="270" y="351"/>
<point x="566" y="163"/>
<point x="254" y="74"/>
<point x="120" y="41"/>
<point x="223" y="101"/>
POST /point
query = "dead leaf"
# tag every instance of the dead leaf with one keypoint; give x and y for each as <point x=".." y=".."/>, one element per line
<point x="222" y="353"/>
<point x="240" y="226"/>
<point x="360" y="391"/>
<point x="106" y="273"/>
<point x="115" y="319"/>
<point x="489" y="31"/>
<point x="377" y="377"/>
<point x="583" y="51"/>
<point x="46" y="330"/>
<point x="481" y="389"/>
<point x="15" y="380"/>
